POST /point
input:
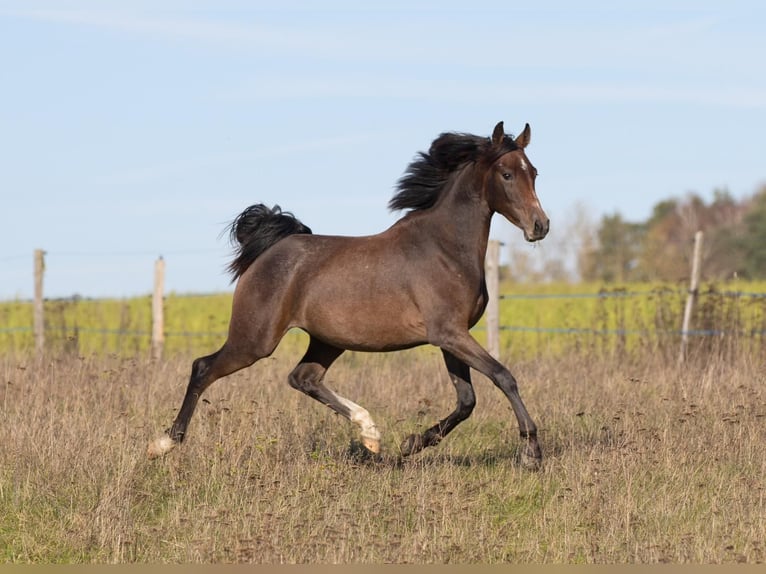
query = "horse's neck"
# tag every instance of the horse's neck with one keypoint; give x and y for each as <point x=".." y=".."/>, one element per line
<point x="462" y="219"/>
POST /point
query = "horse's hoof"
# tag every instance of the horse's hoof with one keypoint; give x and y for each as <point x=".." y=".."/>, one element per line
<point x="531" y="456"/>
<point x="531" y="462"/>
<point x="411" y="445"/>
<point x="371" y="444"/>
<point x="160" y="447"/>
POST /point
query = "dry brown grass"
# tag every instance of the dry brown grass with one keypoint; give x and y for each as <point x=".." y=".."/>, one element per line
<point x="645" y="463"/>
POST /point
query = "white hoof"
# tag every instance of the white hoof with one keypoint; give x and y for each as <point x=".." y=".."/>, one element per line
<point x="160" y="446"/>
<point x="371" y="444"/>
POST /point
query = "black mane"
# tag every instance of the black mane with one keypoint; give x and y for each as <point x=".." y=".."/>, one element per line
<point x="426" y="177"/>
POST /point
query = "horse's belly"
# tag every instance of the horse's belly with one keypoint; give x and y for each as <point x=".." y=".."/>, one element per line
<point x="366" y="324"/>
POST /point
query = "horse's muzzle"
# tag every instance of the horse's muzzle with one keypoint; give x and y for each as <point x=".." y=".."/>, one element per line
<point x="540" y="229"/>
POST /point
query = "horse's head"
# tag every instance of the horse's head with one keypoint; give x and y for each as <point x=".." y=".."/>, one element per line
<point x="510" y="184"/>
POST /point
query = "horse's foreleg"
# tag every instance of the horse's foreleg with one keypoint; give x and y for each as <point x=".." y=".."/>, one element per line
<point x="460" y="375"/>
<point x="466" y="349"/>
<point x="205" y="371"/>
<point x="307" y="378"/>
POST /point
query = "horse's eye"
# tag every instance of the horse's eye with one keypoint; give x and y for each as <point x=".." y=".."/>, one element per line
<point x="507" y="176"/>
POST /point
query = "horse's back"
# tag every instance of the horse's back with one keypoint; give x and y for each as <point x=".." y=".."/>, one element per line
<point x="353" y="292"/>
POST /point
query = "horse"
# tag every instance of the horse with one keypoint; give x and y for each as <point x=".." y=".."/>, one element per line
<point x="419" y="282"/>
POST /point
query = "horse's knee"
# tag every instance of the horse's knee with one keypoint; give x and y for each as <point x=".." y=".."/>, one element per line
<point x="303" y="378"/>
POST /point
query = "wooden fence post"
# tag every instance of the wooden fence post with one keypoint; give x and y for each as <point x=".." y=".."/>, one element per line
<point x="692" y="296"/>
<point x="38" y="321"/>
<point x="493" y="297"/>
<point x="158" y="309"/>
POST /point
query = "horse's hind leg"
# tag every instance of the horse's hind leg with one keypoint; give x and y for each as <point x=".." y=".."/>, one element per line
<point x="205" y="371"/>
<point x="460" y="375"/>
<point x="307" y="378"/>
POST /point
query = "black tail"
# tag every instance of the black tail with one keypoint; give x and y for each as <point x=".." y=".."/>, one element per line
<point x="255" y="230"/>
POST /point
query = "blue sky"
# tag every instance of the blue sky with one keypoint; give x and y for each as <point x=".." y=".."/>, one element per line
<point x="130" y="130"/>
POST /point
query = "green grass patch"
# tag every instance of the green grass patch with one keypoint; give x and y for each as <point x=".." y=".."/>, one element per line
<point x="550" y="319"/>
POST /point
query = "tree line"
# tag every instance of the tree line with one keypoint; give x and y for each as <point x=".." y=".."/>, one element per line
<point x="659" y="249"/>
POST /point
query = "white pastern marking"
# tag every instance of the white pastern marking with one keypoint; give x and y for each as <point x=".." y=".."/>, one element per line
<point x="362" y="418"/>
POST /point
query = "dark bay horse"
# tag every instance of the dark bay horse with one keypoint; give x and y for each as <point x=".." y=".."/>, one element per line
<point x="420" y="281"/>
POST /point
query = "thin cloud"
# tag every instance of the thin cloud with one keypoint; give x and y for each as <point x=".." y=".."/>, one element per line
<point x="401" y="87"/>
<point x="221" y="32"/>
<point x="184" y="167"/>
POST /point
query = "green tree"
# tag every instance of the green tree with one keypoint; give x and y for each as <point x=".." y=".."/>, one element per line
<point x="668" y="242"/>
<point x="753" y="240"/>
<point x="615" y="257"/>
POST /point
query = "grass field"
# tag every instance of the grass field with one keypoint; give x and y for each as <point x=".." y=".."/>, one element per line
<point x="645" y="462"/>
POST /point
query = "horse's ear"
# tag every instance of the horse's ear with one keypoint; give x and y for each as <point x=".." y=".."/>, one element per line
<point x="524" y="138"/>
<point x="498" y="134"/>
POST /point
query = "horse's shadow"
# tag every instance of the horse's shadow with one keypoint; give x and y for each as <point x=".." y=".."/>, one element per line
<point x="488" y="458"/>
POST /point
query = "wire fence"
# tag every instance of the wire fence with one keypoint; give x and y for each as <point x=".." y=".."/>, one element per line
<point x="603" y="295"/>
<point x="609" y="320"/>
<point x="724" y="322"/>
